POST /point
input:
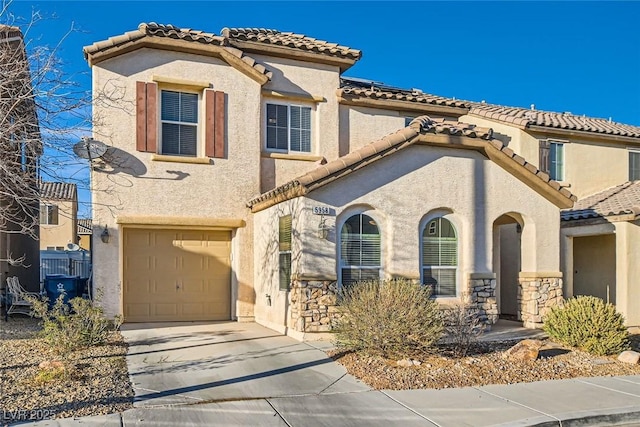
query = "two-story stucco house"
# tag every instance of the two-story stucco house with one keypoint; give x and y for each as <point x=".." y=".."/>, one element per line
<point x="58" y="215"/>
<point x="20" y="149"/>
<point x="247" y="179"/>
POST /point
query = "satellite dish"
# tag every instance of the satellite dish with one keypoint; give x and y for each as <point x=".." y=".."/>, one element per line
<point x="89" y="148"/>
<point x="72" y="247"/>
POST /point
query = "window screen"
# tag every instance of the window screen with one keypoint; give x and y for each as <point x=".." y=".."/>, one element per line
<point x="634" y="165"/>
<point x="440" y="257"/>
<point x="179" y="123"/>
<point x="360" y="250"/>
<point x="289" y="128"/>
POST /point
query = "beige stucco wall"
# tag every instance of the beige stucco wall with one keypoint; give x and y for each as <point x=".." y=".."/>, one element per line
<point x="627" y="268"/>
<point x="401" y="193"/>
<point x="65" y="231"/>
<point x="594" y="266"/>
<point x="131" y="184"/>
<point x="301" y="78"/>
<point x="361" y="125"/>
<point x="588" y="164"/>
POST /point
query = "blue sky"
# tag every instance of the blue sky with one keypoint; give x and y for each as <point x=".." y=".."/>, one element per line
<point x="582" y="57"/>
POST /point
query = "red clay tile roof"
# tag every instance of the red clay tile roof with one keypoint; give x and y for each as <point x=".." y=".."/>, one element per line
<point x="525" y="117"/>
<point x="390" y="144"/>
<point x="623" y="199"/>
<point x="290" y="40"/>
<point x="171" y="31"/>
<point x="376" y="90"/>
<point x="57" y="190"/>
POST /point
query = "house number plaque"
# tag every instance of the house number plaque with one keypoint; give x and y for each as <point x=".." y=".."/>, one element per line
<point x="321" y="210"/>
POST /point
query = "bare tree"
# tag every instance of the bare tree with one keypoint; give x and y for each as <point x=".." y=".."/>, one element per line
<point x="43" y="113"/>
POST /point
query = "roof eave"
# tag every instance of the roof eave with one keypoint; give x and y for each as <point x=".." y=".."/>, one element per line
<point x="291" y="53"/>
<point x="183" y="46"/>
<point x="408" y="106"/>
<point x="597" y="220"/>
<point x="598" y="136"/>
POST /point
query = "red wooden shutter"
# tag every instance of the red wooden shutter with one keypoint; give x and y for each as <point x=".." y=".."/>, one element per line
<point x="141" y="116"/>
<point x="146" y="117"/>
<point x="214" y="123"/>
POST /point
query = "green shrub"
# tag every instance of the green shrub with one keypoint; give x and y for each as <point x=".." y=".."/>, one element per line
<point x="588" y="323"/>
<point x="394" y="319"/>
<point x="79" y="324"/>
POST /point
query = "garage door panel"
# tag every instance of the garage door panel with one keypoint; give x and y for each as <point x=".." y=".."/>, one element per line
<point x="177" y="275"/>
<point x="141" y="310"/>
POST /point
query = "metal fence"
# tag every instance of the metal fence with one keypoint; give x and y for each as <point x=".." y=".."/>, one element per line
<point x="73" y="263"/>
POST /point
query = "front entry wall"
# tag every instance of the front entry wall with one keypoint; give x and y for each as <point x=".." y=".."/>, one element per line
<point x="400" y="193"/>
<point x="176" y="275"/>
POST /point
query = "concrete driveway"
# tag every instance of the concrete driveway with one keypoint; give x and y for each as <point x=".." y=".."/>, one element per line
<point x="186" y="363"/>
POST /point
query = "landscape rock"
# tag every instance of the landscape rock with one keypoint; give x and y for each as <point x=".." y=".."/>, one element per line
<point x="405" y="363"/>
<point x="629" y="356"/>
<point x="51" y="365"/>
<point x="524" y="350"/>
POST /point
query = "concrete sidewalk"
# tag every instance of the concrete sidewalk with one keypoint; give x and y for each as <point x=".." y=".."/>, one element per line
<point x="242" y="374"/>
<point x="578" y="402"/>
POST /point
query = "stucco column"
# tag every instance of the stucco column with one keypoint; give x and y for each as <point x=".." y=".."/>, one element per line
<point x="537" y="293"/>
<point x="628" y="270"/>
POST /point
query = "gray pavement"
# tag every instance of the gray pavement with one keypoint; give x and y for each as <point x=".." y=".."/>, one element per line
<point x="242" y="374"/>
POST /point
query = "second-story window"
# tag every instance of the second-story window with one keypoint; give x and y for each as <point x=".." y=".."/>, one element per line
<point x="179" y="123"/>
<point x="552" y="159"/>
<point x="48" y="214"/>
<point x="288" y="128"/>
<point x="634" y="165"/>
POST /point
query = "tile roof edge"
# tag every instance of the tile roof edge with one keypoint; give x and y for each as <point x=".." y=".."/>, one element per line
<point x="144" y="31"/>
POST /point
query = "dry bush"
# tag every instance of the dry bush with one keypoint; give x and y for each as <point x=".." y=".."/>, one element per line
<point x="589" y="323"/>
<point x="462" y="327"/>
<point x="80" y="324"/>
<point x="394" y="319"/>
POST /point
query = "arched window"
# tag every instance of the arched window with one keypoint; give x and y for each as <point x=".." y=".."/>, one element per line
<point x="359" y="250"/>
<point x="440" y="257"/>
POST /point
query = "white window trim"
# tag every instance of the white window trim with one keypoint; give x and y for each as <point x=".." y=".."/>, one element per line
<point x="199" y="124"/>
<point x="446" y="214"/>
<point x="343" y="217"/>
<point x="314" y="138"/>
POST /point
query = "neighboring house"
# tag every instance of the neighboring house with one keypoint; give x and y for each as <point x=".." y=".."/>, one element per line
<point x="85" y="231"/>
<point x="20" y="148"/>
<point x="248" y="179"/>
<point x="58" y="215"/>
<point x="599" y="161"/>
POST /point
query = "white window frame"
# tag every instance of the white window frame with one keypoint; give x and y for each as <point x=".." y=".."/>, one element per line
<point x="457" y="229"/>
<point x="312" y="138"/>
<point x="634" y="153"/>
<point x="340" y="264"/>
<point x="197" y="125"/>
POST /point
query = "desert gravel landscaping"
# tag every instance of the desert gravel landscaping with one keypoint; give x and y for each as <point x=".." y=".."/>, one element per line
<point x="485" y="365"/>
<point x="97" y="380"/>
